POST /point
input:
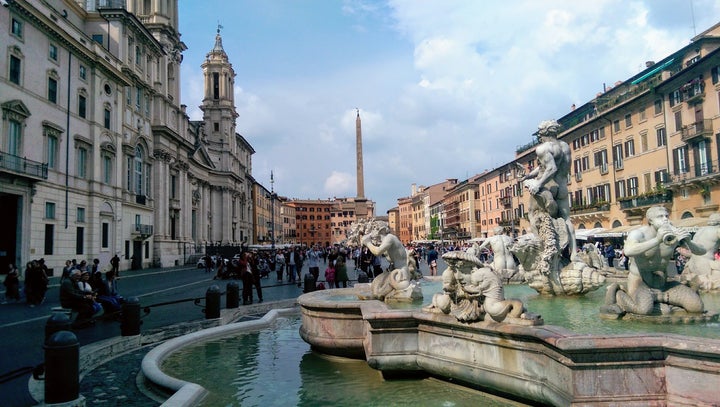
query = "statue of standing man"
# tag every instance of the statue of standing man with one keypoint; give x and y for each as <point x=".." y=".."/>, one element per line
<point x="547" y="183"/>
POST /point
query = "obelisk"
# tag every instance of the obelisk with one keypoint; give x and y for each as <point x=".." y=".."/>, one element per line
<point x="361" y="210"/>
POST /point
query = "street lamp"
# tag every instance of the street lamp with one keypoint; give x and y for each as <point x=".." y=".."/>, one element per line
<point x="272" y="210"/>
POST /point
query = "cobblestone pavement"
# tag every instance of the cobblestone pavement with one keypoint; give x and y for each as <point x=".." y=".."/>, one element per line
<point x="114" y="383"/>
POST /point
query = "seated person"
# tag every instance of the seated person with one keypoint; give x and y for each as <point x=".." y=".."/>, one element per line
<point x="108" y="295"/>
<point x="71" y="296"/>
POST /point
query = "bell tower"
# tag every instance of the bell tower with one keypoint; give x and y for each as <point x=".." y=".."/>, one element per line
<point x="218" y="104"/>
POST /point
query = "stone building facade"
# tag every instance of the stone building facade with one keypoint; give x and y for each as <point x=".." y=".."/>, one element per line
<point x="97" y="154"/>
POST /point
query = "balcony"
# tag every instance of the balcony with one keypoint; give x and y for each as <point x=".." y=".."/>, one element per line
<point x="649" y="199"/>
<point x="578" y="176"/>
<point x="603" y="168"/>
<point x="506" y="201"/>
<point x="600" y="206"/>
<point x="618" y="165"/>
<point x="142" y="232"/>
<point x="23" y="167"/>
<point x="701" y="129"/>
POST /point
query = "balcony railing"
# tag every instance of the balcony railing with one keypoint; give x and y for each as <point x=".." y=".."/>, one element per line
<point x="23" y="166"/>
<point x="646" y="200"/>
<point x="591" y="208"/>
<point x="506" y="200"/>
<point x="144" y="231"/>
<point x="702" y="128"/>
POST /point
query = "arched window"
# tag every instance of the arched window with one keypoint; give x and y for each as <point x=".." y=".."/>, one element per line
<point x="138" y="170"/>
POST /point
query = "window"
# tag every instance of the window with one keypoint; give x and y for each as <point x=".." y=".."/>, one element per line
<point x="675" y="98"/>
<point x="616" y="126"/>
<point x="105" y="238"/>
<point x="98" y="38"/>
<point x="83" y="72"/>
<point x="130" y="48"/>
<point x="106" y="118"/>
<point x="52" y="90"/>
<point x="138" y="170"/>
<point x="643" y="142"/>
<point x="49" y="238"/>
<point x="661" y="137"/>
<point x="632" y="185"/>
<point x="641" y="115"/>
<point x="618" y="156"/>
<point x="661" y="177"/>
<point x="600" y="159"/>
<point x="678" y="121"/>
<point x="216" y="85"/>
<point x="620" y="189"/>
<point x="51" y="136"/>
<point x="82" y="106"/>
<point x="15" y="138"/>
<point x="216" y="126"/>
<point x="628" y="120"/>
<point x="82" y="157"/>
<point x="138" y="97"/>
<point x="16" y="28"/>
<point x="53" y="52"/>
<point x="51" y="151"/>
<point x="80" y="218"/>
<point x="629" y="148"/>
<point x="658" y="106"/>
<point x="648" y="184"/>
<point x="173" y="189"/>
<point x="681" y="160"/>
<point x="15" y="69"/>
<point x="128" y="95"/>
<point x="107" y="168"/>
<point x="79" y="240"/>
<point x="138" y="55"/>
<point x="49" y="210"/>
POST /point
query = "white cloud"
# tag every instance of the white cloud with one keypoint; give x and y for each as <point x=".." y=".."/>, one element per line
<point x="445" y="89"/>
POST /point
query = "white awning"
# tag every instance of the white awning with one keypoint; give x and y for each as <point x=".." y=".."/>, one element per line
<point x="620" y="231"/>
<point x="585" y="234"/>
<point x="690" y="224"/>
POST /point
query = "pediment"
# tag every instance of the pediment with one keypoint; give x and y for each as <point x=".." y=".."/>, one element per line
<point x="201" y="155"/>
<point x="15" y="109"/>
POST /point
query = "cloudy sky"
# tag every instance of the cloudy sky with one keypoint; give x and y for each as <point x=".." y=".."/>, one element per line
<point x="445" y="88"/>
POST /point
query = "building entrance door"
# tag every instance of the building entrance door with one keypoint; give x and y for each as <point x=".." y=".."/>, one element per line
<point x="9" y="253"/>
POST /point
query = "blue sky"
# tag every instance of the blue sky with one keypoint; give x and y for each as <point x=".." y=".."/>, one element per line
<point x="446" y="89"/>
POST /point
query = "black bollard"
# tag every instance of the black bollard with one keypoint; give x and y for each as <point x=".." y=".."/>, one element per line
<point x="309" y="283"/>
<point x="130" y="322"/>
<point x="62" y="367"/>
<point x="233" y="295"/>
<point x="57" y="322"/>
<point x="212" y="302"/>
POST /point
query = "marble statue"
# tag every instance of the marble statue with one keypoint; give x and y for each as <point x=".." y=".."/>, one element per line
<point x="702" y="271"/>
<point x="503" y="262"/>
<point x="548" y="257"/>
<point x="648" y="290"/>
<point x="471" y="291"/>
<point x="398" y="282"/>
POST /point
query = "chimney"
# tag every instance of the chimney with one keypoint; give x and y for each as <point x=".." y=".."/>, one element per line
<point x="648" y="64"/>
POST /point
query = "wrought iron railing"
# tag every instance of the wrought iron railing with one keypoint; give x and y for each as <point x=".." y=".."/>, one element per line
<point x="23" y="166"/>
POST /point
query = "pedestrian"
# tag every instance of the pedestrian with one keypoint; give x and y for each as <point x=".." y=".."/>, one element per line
<point x="299" y="260"/>
<point x="432" y="257"/>
<point x="115" y="263"/>
<point x="291" y="263"/>
<point x="66" y="270"/>
<point x="279" y="265"/>
<point x="246" y="277"/>
<point x="610" y="254"/>
<point x="36" y="283"/>
<point x="313" y="257"/>
<point x="254" y="263"/>
<point x="341" y="274"/>
<point x="330" y="276"/>
<point x="12" y="284"/>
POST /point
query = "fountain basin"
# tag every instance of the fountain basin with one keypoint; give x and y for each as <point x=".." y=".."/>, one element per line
<point x="539" y="364"/>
